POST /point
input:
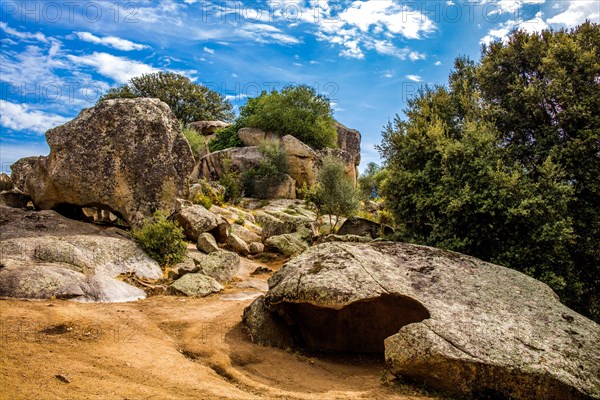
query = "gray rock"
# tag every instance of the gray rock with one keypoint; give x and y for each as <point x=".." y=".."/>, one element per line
<point x="245" y="234"/>
<point x="238" y="245"/>
<point x="266" y="328"/>
<point x="345" y="238"/>
<point x="207" y="243"/>
<point x="301" y="161"/>
<point x="221" y="265"/>
<point x="187" y="266"/>
<point x="254" y="136"/>
<point x="256" y="247"/>
<point x="196" y="220"/>
<point x="196" y="285"/>
<point x="213" y="165"/>
<point x="364" y="227"/>
<point x="451" y="321"/>
<point x="289" y="245"/>
<point x="5" y="182"/>
<point x="46" y="255"/>
<point x="127" y="156"/>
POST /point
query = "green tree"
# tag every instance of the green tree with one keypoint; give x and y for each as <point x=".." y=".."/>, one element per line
<point x="297" y="110"/>
<point x="369" y="183"/>
<point x="189" y="101"/>
<point x="334" y="194"/>
<point x="503" y="164"/>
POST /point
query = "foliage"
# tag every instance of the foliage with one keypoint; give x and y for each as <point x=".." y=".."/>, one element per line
<point x="334" y="194"/>
<point x="369" y="183"/>
<point x="231" y="180"/>
<point x="226" y="138"/>
<point x="189" y="101"/>
<point x="205" y="195"/>
<point x="503" y="164"/>
<point x="161" y="239"/>
<point x="197" y="141"/>
<point x="297" y="110"/>
<point x="260" y="181"/>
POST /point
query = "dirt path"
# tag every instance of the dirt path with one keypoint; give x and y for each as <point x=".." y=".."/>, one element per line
<point x="167" y="347"/>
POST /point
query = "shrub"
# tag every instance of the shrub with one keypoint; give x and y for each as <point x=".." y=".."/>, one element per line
<point x="197" y="141"/>
<point x="334" y="194"/>
<point x="189" y="101"/>
<point x="205" y="195"/>
<point x="296" y="110"/>
<point x="260" y="181"/>
<point x="226" y="138"/>
<point x="162" y="239"/>
<point x="231" y="181"/>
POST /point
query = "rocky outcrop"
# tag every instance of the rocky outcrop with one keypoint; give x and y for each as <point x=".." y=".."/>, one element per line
<point x="46" y="255"/>
<point x="451" y="321"/>
<point x="214" y="165"/>
<point x="364" y="227"/>
<point x="207" y="128"/>
<point x="5" y="182"/>
<point x="349" y="140"/>
<point x="254" y="136"/>
<point x="347" y="158"/>
<point x="22" y="169"/>
<point x="301" y="161"/>
<point x="127" y="156"/>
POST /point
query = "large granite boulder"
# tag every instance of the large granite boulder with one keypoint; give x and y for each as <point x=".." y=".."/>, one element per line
<point x="364" y="227"/>
<point x="22" y="169"/>
<point x="207" y="128"/>
<point x="301" y="161"/>
<point x="45" y="255"/>
<point x="127" y="156"/>
<point x="214" y="165"/>
<point x="254" y="136"/>
<point x="290" y="244"/>
<point x="196" y="285"/>
<point x="350" y="169"/>
<point x="196" y="220"/>
<point x="349" y="140"/>
<point x="442" y="318"/>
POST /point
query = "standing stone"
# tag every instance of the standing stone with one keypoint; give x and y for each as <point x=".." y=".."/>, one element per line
<point x="124" y="155"/>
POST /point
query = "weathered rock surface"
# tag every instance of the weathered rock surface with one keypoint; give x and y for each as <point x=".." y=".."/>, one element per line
<point x="187" y="266"/>
<point x="254" y="136"/>
<point x="349" y="140"/>
<point x="285" y="216"/>
<point x="256" y="247"/>
<point x="213" y="165"/>
<point x="449" y="320"/>
<point x="289" y="245"/>
<point x="364" y="227"/>
<point x="22" y="169"/>
<point x="196" y="285"/>
<point x="238" y="245"/>
<point x="206" y="243"/>
<point x="346" y="157"/>
<point x="207" y="128"/>
<point x="46" y="255"/>
<point x="14" y="198"/>
<point x="344" y="238"/>
<point x="196" y="220"/>
<point x="5" y="182"/>
<point x="221" y="265"/>
<point x="301" y="161"/>
<point x="124" y="155"/>
<point x="263" y="328"/>
<point x="245" y="234"/>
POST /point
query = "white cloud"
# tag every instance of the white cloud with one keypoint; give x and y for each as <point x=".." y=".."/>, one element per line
<point x="533" y="25"/>
<point x="388" y="74"/>
<point x="111" y="41"/>
<point x="576" y="13"/>
<point x="209" y="51"/>
<point x="313" y="62"/>
<point x="23" y="35"/>
<point x="21" y="117"/>
<point x="437" y="63"/>
<point x="414" y="78"/>
<point x="119" y="69"/>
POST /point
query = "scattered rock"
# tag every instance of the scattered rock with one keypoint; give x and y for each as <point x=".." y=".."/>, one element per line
<point x="261" y="270"/>
<point x="213" y="165"/>
<point x="256" y="247"/>
<point x="364" y="227"/>
<point x="289" y="245"/>
<point x="448" y="320"/>
<point x="238" y="245"/>
<point x="221" y="265"/>
<point x="245" y="234"/>
<point x="196" y="285"/>
<point x="124" y="155"/>
<point x="187" y="266"/>
<point x="207" y="243"/>
<point x="46" y="255"/>
<point x="63" y="378"/>
<point x="196" y="220"/>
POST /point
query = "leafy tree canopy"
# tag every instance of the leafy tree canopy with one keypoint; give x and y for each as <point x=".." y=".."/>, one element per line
<point x="189" y="101"/>
<point x="503" y="164"/>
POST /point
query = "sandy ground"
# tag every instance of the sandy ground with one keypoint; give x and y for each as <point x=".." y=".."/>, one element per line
<point x="168" y="347"/>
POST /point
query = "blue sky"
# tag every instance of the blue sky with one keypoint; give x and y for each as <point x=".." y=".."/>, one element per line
<point x="57" y="57"/>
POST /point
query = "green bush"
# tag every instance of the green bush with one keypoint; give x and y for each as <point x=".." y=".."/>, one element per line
<point x="162" y="239"/>
<point x="205" y="195"/>
<point x="197" y="141"/>
<point x="260" y="181"/>
<point x="231" y="180"/>
<point x="296" y="110"/>
<point x="226" y="138"/>
<point x="334" y="194"/>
